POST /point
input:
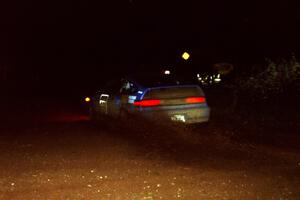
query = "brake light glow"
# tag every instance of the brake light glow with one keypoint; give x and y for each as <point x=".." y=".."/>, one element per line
<point x="147" y="102"/>
<point x="195" y="100"/>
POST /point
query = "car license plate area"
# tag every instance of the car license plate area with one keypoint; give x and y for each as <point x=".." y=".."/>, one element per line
<point x="180" y="118"/>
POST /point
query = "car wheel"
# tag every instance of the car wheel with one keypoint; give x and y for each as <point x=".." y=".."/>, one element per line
<point x="123" y="114"/>
<point x="91" y="113"/>
<point x="94" y="115"/>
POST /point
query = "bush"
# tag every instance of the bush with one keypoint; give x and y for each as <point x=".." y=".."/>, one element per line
<point x="275" y="80"/>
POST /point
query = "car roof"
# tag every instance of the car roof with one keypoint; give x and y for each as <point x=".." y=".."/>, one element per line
<point x="148" y="80"/>
<point x="153" y="80"/>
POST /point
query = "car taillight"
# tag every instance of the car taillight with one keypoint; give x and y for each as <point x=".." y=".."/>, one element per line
<point x="195" y="100"/>
<point x="147" y="102"/>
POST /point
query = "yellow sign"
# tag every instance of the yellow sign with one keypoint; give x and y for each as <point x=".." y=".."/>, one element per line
<point x="185" y="55"/>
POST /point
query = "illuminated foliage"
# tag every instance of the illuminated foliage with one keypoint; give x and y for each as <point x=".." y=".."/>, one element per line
<point x="274" y="79"/>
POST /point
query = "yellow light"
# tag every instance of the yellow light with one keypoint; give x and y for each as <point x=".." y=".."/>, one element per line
<point x="87" y="99"/>
<point x="185" y="55"/>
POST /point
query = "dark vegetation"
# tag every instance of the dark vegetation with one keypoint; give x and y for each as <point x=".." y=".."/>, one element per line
<point x="260" y="104"/>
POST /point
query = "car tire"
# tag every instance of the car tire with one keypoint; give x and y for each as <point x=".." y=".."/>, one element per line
<point x="123" y="114"/>
<point x="93" y="114"/>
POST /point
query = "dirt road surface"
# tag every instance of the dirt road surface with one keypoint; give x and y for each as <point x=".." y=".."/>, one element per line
<point x="65" y="156"/>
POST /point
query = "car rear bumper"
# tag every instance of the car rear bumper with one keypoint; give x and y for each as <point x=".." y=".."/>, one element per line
<point x="186" y="114"/>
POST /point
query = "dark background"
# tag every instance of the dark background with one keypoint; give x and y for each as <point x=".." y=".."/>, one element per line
<point x="71" y="45"/>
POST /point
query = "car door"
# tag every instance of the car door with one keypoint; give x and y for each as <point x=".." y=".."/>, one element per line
<point x="103" y="103"/>
<point x="127" y="94"/>
<point x="107" y="99"/>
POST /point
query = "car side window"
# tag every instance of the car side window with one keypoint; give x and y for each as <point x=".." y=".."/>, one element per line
<point x="128" y="88"/>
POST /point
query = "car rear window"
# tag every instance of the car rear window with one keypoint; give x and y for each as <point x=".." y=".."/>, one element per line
<point x="155" y="81"/>
<point x="173" y="92"/>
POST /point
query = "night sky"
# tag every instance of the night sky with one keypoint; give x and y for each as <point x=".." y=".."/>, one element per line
<point x="70" y="42"/>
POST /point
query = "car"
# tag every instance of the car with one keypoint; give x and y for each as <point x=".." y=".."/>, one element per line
<point x="151" y="97"/>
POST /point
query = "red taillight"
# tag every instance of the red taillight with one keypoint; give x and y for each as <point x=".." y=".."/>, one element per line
<point x="195" y="100"/>
<point x="147" y="102"/>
